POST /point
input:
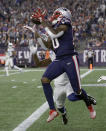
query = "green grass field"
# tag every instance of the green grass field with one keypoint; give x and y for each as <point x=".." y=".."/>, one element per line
<point x="21" y="94"/>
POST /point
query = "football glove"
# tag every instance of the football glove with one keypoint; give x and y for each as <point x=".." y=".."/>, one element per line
<point x="38" y="16"/>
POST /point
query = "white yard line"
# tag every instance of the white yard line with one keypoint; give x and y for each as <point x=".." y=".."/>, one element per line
<point x="10" y="74"/>
<point x="17" y="72"/>
<point x="94" y="85"/>
<point x="43" y="69"/>
<point x="26" y="70"/>
<point x="94" y="69"/>
<point x="86" y="73"/>
<point x="31" y="70"/>
<point x="36" y="115"/>
<point x="32" y="118"/>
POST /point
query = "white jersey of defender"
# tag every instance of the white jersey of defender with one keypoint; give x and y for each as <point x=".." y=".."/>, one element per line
<point x="62" y="86"/>
<point x="9" y="52"/>
<point x="32" y="47"/>
<point x="9" y="57"/>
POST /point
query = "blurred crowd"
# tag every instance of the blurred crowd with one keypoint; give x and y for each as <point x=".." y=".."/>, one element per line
<point x="88" y="20"/>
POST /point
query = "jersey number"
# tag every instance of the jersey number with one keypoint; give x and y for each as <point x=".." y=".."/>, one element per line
<point x="55" y="43"/>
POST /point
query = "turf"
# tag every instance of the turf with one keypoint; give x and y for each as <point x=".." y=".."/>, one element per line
<point x="21" y="94"/>
<point x="78" y="114"/>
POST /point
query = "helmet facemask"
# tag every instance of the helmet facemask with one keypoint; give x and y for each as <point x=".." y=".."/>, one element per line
<point x="56" y="17"/>
<point x="61" y="15"/>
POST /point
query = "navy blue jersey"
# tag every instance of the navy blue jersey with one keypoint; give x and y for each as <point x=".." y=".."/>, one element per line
<point x="63" y="45"/>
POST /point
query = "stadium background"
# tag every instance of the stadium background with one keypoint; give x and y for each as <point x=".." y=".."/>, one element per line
<point x="21" y="93"/>
<point x="88" y="20"/>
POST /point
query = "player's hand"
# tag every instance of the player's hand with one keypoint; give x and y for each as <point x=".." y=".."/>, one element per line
<point x="26" y="27"/>
<point x="33" y="29"/>
<point x="38" y="16"/>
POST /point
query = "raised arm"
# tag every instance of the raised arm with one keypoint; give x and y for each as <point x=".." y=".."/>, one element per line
<point x="38" y="18"/>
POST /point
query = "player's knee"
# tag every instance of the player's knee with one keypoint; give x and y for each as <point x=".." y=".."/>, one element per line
<point x="45" y="80"/>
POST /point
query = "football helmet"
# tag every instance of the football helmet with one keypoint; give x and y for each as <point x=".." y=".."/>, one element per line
<point x="62" y="15"/>
<point x="10" y="45"/>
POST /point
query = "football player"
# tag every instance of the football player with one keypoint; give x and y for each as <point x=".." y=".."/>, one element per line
<point x="90" y="57"/>
<point x="9" y="59"/>
<point x="62" y="89"/>
<point x="31" y="42"/>
<point x="60" y="32"/>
